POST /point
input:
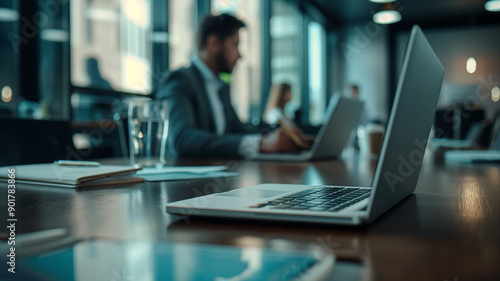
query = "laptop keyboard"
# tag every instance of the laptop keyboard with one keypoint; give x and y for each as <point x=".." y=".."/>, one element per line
<point x="327" y="199"/>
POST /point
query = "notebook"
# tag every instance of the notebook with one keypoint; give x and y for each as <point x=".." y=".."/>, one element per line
<point x="71" y="176"/>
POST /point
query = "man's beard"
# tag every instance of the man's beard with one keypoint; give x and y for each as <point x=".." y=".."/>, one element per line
<point x="222" y="62"/>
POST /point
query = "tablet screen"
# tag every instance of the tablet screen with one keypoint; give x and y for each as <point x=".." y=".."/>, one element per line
<point x="142" y="260"/>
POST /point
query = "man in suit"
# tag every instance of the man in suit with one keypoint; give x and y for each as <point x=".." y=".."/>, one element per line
<point x="202" y="121"/>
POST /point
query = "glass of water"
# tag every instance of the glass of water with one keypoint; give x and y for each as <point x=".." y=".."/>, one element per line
<point x="148" y="132"/>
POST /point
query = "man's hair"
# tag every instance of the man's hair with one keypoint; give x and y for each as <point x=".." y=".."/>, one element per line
<point x="222" y="26"/>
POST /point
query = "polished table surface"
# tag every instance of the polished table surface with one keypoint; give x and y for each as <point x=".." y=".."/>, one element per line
<point x="449" y="229"/>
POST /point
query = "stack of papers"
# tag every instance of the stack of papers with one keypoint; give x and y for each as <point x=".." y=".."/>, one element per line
<point x="73" y="176"/>
<point x="184" y="173"/>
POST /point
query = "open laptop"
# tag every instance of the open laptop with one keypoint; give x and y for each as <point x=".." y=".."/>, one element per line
<point x="341" y="117"/>
<point x="395" y="177"/>
<point x="490" y="155"/>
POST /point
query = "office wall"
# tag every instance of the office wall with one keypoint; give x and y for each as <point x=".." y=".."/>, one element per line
<point x="363" y="59"/>
<point x="453" y="47"/>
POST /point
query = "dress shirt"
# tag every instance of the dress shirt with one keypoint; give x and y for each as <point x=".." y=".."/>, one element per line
<point x="213" y="85"/>
<point x="249" y="146"/>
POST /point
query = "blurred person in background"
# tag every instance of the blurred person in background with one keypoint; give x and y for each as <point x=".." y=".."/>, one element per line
<point x="201" y="117"/>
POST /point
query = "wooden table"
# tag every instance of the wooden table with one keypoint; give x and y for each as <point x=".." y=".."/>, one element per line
<point x="449" y="229"/>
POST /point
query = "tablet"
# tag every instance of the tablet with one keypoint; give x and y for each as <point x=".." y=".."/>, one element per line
<point x="101" y="259"/>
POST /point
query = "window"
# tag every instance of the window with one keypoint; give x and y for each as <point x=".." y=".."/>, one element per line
<point x="9" y="91"/>
<point x="317" y="69"/>
<point x="53" y="57"/>
<point x="111" y="45"/>
<point x="286" y="50"/>
<point x="117" y="47"/>
<point x="182" y="35"/>
<point x="35" y="45"/>
<point x="246" y="77"/>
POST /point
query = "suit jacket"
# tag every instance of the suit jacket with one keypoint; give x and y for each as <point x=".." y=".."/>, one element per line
<point x="192" y="130"/>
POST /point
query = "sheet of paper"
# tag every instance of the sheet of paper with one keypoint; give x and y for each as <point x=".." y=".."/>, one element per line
<point x="188" y="176"/>
<point x="179" y="169"/>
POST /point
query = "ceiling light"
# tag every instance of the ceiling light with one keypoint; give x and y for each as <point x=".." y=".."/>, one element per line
<point x="471" y="65"/>
<point x="382" y="1"/>
<point x="7" y="14"/>
<point x="492" y="6"/>
<point x="388" y="14"/>
<point x="7" y="94"/>
<point x="387" y="17"/>
<point x="495" y="94"/>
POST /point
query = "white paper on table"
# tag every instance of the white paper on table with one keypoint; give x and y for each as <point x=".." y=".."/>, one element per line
<point x="188" y="176"/>
<point x="183" y="169"/>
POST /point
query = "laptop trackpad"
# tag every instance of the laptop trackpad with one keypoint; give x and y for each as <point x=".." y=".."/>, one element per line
<point x="252" y="193"/>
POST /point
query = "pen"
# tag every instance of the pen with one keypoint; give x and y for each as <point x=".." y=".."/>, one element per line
<point x="291" y="133"/>
<point x="77" y="163"/>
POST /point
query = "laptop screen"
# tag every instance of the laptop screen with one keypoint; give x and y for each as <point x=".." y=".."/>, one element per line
<point x="409" y="125"/>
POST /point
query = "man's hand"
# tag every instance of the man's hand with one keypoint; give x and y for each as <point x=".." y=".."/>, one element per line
<point x="277" y="141"/>
<point x="306" y="140"/>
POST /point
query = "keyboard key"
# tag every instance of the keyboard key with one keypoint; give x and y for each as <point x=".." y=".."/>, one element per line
<point x="309" y="205"/>
<point x="299" y="200"/>
<point x="273" y="203"/>
<point x="318" y="201"/>
<point x="282" y="207"/>
<point x="300" y="194"/>
<point x="299" y="208"/>
<point x="330" y="205"/>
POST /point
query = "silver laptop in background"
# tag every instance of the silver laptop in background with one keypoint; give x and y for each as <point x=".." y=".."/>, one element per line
<point x="490" y="155"/>
<point x="395" y="177"/>
<point x="341" y="116"/>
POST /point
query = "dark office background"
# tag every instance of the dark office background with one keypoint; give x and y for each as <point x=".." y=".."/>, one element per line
<point x="80" y="60"/>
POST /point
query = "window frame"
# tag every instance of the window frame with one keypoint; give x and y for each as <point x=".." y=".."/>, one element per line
<point x="160" y="60"/>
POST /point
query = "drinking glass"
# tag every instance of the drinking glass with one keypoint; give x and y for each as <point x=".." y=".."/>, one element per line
<point x="148" y="132"/>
